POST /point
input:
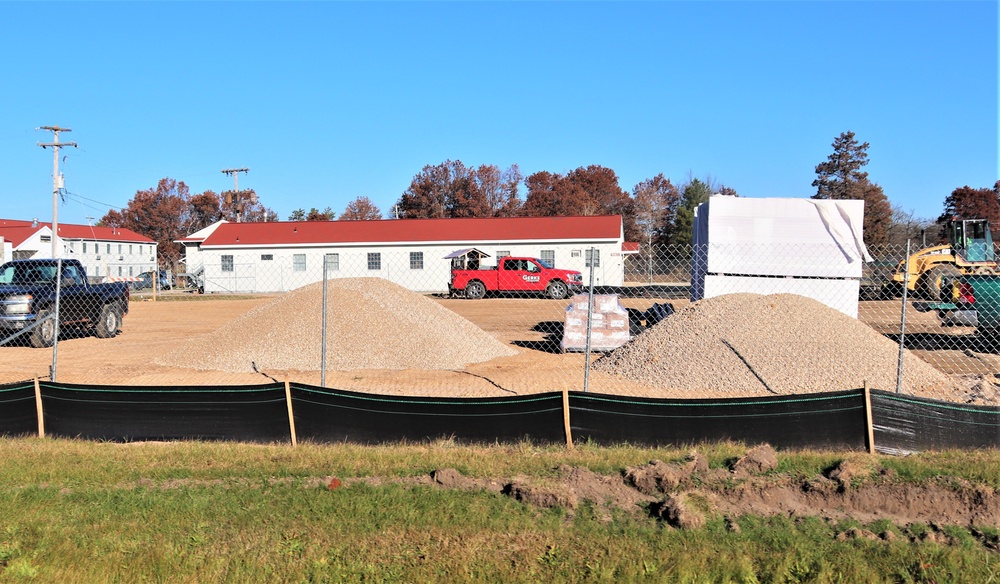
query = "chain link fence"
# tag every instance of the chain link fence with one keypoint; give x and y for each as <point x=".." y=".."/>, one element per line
<point x="390" y="322"/>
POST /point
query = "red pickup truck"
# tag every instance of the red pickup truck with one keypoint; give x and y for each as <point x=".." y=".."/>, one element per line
<point x="515" y="274"/>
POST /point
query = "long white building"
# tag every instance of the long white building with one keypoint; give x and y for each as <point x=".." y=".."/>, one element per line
<point x="105" y="252"/>
<point x="284" y="255"/>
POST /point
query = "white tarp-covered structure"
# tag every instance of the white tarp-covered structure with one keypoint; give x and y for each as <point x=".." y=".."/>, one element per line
<point x="809" y="247"/>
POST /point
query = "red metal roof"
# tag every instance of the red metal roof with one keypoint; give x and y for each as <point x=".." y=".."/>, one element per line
<point x="21" y="230"/>
<point x="416" y="230"/>
<point x="630" y="247"/>
<point x="17" y="234"/>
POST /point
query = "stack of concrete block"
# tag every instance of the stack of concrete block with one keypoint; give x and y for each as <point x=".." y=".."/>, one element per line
<point x="609" y="327"/>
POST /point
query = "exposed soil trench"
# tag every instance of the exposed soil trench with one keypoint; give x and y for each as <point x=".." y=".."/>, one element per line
<point x="687" y="494"/>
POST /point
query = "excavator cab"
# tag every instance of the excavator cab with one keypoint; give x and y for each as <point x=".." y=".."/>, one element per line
<point x="971" y="239"/>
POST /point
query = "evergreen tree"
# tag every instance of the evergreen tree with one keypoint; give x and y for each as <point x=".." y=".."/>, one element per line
<point x="693" y="194"/>
<point x="841" y="177"/>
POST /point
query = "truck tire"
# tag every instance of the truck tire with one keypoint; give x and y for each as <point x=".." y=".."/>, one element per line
<point x="43" y="335"/>
<point x="557" y="290"/>
<point x="475" y="290"/>
<point x="931" y="285"/>
<point x="109" y="322"/>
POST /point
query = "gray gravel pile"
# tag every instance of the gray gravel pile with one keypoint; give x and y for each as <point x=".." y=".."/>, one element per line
<point x="372" y="324"/>
<point x="750" y="344"/>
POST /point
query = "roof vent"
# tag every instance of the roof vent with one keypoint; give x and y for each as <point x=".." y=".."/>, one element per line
<point x="34" y="222"/>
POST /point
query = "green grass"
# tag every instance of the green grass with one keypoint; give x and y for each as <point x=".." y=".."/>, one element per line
<point x="75" y="511"/>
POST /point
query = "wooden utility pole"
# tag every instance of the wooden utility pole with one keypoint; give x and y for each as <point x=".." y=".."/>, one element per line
<point x="57" y="179"/>
<point x="235" y="173"/>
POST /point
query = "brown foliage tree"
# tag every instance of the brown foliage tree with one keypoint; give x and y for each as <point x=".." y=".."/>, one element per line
<point x="160" y="214"/>
<point x="204" y="209"/>
<point x="841" y="177"/>
<point x="361" y="209"/>
<point x="451" y="189"/>
<point x="169" y="212"/>
<point x="444" y="190"/>
<point x="969" y="203"/>
<point x="586" y="191"/>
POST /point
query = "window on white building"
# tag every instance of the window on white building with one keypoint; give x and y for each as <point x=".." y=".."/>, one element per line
<point x="299" y="262"/>
<point x="227" y="263"/>
<point x="594" y="258"/>
<point x="502" y="254"/>
<point x="266" y="257"/>
<point x="85" y="247"/>
<point x="416" y="260"/>
<point x="374" y="261"/>
<point x="332" y="262"/>
<point x="548" y="256"/>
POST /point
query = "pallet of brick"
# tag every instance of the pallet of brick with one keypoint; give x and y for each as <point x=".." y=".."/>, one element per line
<point x="609" y="326"/>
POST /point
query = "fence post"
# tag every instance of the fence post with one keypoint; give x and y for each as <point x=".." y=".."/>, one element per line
<point x="291" y="415"/>
<point x="56" y="317"/>
<point x="869" y="425"/>
<point x="38" y="409"/>
<point x="566" y="425"/>
<point x="590" y="318"/>
<point x="902" y="319"/>
<point x="322" y="350"/>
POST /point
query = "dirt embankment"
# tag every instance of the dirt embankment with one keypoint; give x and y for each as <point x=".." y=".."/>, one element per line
<point x="687" y="494"/>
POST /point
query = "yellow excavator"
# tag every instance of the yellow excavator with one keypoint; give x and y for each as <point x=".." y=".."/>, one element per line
<point x="969" y="251"/>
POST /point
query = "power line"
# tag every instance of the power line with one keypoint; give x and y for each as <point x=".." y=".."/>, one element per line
<point x="108" y="205"/>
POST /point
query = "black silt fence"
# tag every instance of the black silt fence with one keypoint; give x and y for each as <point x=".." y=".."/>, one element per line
<point x="120" y="414"/>
<point x="18" y="413"/>
<point x="825" y="420"/>
<point x="261" y="414"/>
<point x="905" y="424"/>
<point x="329" y="415"/>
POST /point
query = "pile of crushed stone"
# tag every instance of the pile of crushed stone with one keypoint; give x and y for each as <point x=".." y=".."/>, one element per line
<point x="752" y="344"/>
<point x="371" y="324"/>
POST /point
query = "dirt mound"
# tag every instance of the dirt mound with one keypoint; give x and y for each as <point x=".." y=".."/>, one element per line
<point x="758" y="460"/>
<point x="371" y="324"/>
<point x="751" y="344"/>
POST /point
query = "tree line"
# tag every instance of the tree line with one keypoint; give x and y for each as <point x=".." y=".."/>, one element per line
<point x="656" y="211"/>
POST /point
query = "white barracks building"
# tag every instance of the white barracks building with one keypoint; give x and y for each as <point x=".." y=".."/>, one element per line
<point x="284" y="255"/>
<point x="107" y="253"/>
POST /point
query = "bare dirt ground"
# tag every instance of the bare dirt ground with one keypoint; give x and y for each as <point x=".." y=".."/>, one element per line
<point x="155" y="328"/>
<point x="687" y="493"/>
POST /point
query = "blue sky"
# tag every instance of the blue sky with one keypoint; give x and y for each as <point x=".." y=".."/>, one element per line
<point x="328" y="101"/>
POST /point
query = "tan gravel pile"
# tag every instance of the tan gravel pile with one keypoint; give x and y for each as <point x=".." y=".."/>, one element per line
<point x="750" y="344"/>
<point x="371" y="324"/>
